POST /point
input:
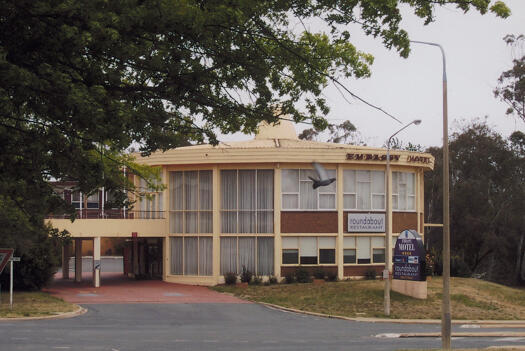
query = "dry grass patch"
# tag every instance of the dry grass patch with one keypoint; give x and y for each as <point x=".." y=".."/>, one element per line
<point x="33" y="304"/>
<point x="471" y="299"/>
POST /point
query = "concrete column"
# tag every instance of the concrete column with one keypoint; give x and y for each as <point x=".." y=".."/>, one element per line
<point x="96" y="262"/>
<point x="216" y="226"/>
<point x="135" y="257"/>
<point x="78" y="260"/>
<point x="277" y="241"/>
<point x="340" y="224"/>
<point x="65" y="261"/>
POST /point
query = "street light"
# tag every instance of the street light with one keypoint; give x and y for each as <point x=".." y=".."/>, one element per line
<point x="445" y="316"/>
<point x="388" y="229"/>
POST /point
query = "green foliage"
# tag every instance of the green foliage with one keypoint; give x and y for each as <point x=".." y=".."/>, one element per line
<point x="370" y="274"/>
<point x="257" y="280"/>
<point x="230" y="278"/>
<point x="246" y="275"/>
<point x="319" y="273"/>
<point x="302" y="275"/>
<point x="487" y="197"/>
<point x="289" y="278"/>
<point x="458" y="267"/>
<point x="272" y="280"/>
<point x="331" y="276"/>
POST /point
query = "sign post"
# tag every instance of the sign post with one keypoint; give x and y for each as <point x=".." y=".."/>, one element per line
<point x="13" y="259"/>
<point x="5" y="255"/>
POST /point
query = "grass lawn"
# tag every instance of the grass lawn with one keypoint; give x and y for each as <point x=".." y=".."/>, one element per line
<point x="471" y="299"/>
<point x="33" y="304"/>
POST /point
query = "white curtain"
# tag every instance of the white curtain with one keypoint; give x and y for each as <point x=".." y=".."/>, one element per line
<point x="349" y="189"/>
<point x="363" y="248"/>
<point x="176" y="255"/>
<point x="176" y="191"/>
<point x="290" y="184"/>
<point x="378" y="190"/>
<point x="205" y="255"/>
<point x="265" y="201"/>
<point x="176" y="222"/>
<point x="229" y="201"/>
<point x="205" y="202"/>
<point x="363" y="190"/>
<point x="308" y="246"/>
<point x="205" y="222"/>
<point x="264" y="256"/>
<point x="247" y="254"/>
<point x="290" y="201"/>
<point x="228" y="255"/>
<point x="191" y="187"/>
<point x="247" y="199"/>
<point x="308" y="196"/>
<point x="190" y="256"/>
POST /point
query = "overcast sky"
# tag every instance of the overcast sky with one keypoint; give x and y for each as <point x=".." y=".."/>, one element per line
<point x="411" y="88"/>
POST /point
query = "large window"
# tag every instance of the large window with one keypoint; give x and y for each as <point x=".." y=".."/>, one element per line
<point x="363" y="190"/>
<point x="298" y="193"/>
<point x="77" y="200"/>
<point x="363" y="250"/>
<point x="152" y="203"/>
<point x="247" y="201"/>
<point x="403" y="191"/>
<point x="253" y="254"/>
<point x="191" y="202"/>
<point x="191" y="255"/>
<point x="308" y="250"/>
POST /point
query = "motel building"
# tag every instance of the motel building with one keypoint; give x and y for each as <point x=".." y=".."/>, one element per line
<point x="251" y="204"/>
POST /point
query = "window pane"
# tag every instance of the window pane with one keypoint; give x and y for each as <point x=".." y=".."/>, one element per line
<point x="378" y="182"/>
<point x="411" y="203"/>
<point x="378" y="202"/>
<point x="327" y="201"/>
<point x="191" y="222"/>
<point x="176" y="255"/>
<point x="246" y="222"/>
<point x="349" y="242"/>
<point x="290" y="256"/>
<point x="264" y="221"/>
<point x="247" y="254"/>
<point x="349" y="181"/>
<point x="363" y="196"/>
<point x="290" y="202"/>
<point x="228" y="222"/>
<point x="176" y="222"/>
<point x="205" y="222"/>
<point x="264" y="256"/>
<point x="190" y="256"/>
<point x="228" y="255"/>
<point x="349" y="256"/>
<point x="308" y="250"/>
<point x="327" y="243"/>
<point x="305" y="175"/>
<point x="332" y="187"/>
<point x="308" y="196"/>
<point x="190" y="190"/>
<point x="265" y="189"/>
<point x="205" y="256"/>
<point x="290" y="242"/>
<point x="349" y="202"/>
<point x="229" y="190"/>
<point x="205" y="190"/>
<point x="247" y="190"/>
<point x="363" y="248"/>
<point x="290" y="180"/>
<point x="326" y="256"/>
<point x="379" y="255"/>
<point x="411" y="183"/>
<point x="378" y="242"/>
<point x="176" y="191"/>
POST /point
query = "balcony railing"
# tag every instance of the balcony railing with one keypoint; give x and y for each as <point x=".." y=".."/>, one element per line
<point x="113" y="214"/>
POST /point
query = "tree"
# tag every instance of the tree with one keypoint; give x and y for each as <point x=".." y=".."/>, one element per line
<point x="487" y="203"/>
<point x="84" y="80"/>
<point x="511" y="83"/>
<point x="345" y="133"/>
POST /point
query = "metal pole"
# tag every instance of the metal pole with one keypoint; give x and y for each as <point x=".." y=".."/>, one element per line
<point x="388" y="237"/>
<point x="445" y="314"/>
<point x="11" y="286"/>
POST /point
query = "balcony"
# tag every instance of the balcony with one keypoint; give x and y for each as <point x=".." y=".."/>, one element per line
<point x="112" y="223"/>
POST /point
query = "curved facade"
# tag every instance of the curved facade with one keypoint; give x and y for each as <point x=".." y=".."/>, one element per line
<point x="251" y="205"/>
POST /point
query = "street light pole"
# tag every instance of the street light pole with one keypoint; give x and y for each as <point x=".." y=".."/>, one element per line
<point x="388" y="229"/>
<point x="445" y="316"/>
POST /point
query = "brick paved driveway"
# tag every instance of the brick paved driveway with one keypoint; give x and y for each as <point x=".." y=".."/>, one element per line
<point x="118" y="289"/>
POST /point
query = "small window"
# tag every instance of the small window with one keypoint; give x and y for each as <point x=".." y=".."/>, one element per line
<point x="363" y="261"/>
<point x="326" y="256"/>
<point x="379" y="255"/>
<point x="349" y="256"/>
<point x="290" y="256"/>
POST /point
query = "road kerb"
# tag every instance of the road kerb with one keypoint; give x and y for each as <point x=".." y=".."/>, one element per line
<point x="486" y="323"/>
<point x="79" y="311"/>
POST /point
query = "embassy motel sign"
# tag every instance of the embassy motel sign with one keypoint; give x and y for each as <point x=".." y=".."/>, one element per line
<point x="381" y="157"/>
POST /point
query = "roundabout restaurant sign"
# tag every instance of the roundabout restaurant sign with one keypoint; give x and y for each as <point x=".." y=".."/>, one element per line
<point x="409" y="257"/>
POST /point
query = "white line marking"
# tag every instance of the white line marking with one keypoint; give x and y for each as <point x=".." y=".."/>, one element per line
<point x="388" y="335"/>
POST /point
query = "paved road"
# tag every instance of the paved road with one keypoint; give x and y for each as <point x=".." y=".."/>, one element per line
<point x="154" y="327"/>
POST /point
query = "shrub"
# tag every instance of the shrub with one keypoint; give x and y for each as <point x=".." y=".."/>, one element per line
<point x="302" y="276"/>
<point x="257" y="280"/>
<point x="272" y="279"/>
<point x="246" y="275"/>
<point x="319" y="273"/>
<point x="289" y="278"/>
<point x="370" y="274"/>
<point x="331" y="276"/>
<point x="458" y="267"/>
<point x="230" y="278"/>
